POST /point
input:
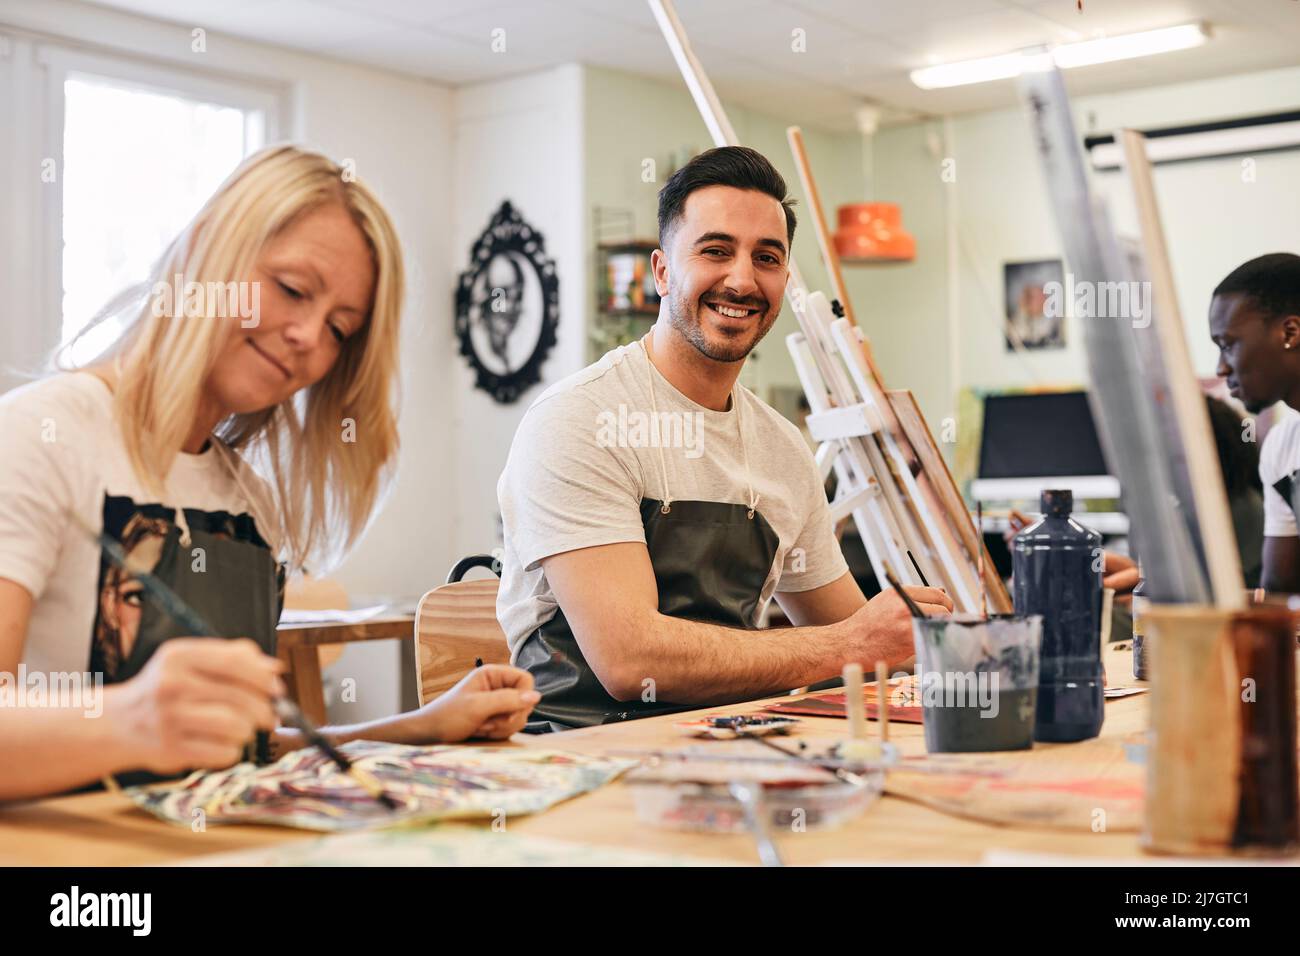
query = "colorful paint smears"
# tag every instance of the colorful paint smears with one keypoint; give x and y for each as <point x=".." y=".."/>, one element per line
<point x="305" y="789"/>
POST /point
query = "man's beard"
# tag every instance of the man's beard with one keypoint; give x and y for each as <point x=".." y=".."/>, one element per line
<point x="686" y="320"/>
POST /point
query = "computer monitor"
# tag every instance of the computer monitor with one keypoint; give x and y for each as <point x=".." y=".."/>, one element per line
<point x="1037" y="440"/>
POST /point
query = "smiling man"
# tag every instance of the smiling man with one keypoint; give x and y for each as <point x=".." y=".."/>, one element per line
<point x="638" y="565"/>
<point x="1255" y="322"/>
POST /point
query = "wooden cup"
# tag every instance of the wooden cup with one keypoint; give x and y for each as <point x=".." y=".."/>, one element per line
<point x="1221" y="762"/>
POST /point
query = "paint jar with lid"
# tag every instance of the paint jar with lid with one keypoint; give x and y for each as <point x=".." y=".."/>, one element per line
<point x="1057" y="566"/>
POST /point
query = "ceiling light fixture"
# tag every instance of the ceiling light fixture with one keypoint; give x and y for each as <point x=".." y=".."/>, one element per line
<point x="1068" y="55"/>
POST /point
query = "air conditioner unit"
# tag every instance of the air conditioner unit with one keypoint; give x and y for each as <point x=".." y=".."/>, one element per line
<point x="1249" y="135"/>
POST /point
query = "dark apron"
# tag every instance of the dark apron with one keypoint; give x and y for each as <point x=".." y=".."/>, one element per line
<point x="238" y="591"/>
<point x="710" y="560"/>
<point x="1288" y="487"/>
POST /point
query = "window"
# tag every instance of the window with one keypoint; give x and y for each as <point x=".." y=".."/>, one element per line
<point x="137" y="166"/>
<point x="139" y="148"/>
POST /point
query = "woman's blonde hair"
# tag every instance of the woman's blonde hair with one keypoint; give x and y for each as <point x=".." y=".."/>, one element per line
<point x="328" y="451"/>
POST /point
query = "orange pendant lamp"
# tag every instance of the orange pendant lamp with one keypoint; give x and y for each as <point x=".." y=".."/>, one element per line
<point x="872" y="232"/>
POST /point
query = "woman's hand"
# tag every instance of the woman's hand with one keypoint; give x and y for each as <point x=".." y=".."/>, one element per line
<point x="196" y="704"/>
<point x="491" y="702"/>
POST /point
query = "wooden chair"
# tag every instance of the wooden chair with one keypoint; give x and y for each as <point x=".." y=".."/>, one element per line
<point x="317" y="594"/>
<point x="455" y="624"/>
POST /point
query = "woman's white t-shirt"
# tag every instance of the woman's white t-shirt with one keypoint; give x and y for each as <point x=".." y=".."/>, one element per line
<point x="64" y="472"/>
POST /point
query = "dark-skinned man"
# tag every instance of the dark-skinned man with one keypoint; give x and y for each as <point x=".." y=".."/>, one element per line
<point x="1255" y="322"/>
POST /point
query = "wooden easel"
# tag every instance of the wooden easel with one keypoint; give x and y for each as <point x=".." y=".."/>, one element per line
<point x="891" y="476"/>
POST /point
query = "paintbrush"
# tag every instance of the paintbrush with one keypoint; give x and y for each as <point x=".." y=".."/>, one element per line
<point x="979" y="560"/>
<point x="842" y="773"/>
<point x="196" y="625"/>
<point x="907" y="598"/>
<point x="919" y="573"/>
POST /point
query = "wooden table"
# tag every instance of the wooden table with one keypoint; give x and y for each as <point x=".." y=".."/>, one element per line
<point x="298" y="645"/>
<point x="104" y="829"/>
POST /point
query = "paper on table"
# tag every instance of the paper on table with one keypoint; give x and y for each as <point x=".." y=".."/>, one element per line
<point x="304" y="789"/>
<point x="331" y="615"/>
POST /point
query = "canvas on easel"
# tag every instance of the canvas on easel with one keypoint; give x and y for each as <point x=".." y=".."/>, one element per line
<point x="1150" y="414"/>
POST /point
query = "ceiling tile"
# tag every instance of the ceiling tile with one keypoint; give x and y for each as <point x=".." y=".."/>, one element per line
<point x="888" y="18"/>
<point x="447" y="59"/>
<point x="856" y="49"/>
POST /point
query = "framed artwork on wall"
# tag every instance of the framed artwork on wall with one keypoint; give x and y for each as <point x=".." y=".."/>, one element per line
<point x="1034" y="304"/>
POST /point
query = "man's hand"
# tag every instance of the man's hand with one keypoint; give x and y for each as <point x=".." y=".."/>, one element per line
<point x="882" y="628"/>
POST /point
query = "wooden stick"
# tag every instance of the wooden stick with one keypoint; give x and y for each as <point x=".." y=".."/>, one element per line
<point x="853" y="704"/>
<point x="1213" y="519"/>
<point x="697" y="81"/>
<point x="882" y="699"/>
<point x="831" y="258"/>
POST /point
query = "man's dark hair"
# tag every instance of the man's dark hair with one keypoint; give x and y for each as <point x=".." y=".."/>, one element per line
<point x="736" y="166"/>
<point x="1272" y="281"/>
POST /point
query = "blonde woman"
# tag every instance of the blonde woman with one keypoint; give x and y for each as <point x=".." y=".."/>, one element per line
<point x="267" y="338"/>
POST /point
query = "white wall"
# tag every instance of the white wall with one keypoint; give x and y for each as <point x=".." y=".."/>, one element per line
<point x="1213" y="222"/>
<point x="518" y="139"/>
<point x="399" y="132"/>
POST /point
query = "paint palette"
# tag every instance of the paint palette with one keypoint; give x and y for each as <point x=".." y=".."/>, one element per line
<point x="689" y="790"/>
<point x="730" y="726"/>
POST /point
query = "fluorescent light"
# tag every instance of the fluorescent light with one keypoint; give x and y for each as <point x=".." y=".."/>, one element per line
<point x="1108" y="49"/>
<point x="1066" y="56"/>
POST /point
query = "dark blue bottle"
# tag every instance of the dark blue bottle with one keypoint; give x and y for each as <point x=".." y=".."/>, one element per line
<point x="1057" y="566"/>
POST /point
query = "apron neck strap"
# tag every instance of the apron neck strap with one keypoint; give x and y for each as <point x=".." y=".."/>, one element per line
<point x="740" y="427"/>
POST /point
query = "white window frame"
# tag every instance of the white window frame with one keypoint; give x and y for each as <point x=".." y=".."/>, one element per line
<point x="268" y="102"/>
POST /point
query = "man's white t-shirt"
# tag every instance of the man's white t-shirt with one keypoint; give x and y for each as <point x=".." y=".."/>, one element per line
<point x="580" y="466"/>
<point x="65" y="470"/>
<point x="1279" y="457"/>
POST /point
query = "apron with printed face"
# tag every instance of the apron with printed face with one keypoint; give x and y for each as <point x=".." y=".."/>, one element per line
<point x="234" y="585"/>
<point x="711" y="561"/>
<point x="216" y="563"/>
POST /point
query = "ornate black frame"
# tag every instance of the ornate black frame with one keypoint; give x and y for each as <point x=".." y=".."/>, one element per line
<point x="508" y="232"/>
